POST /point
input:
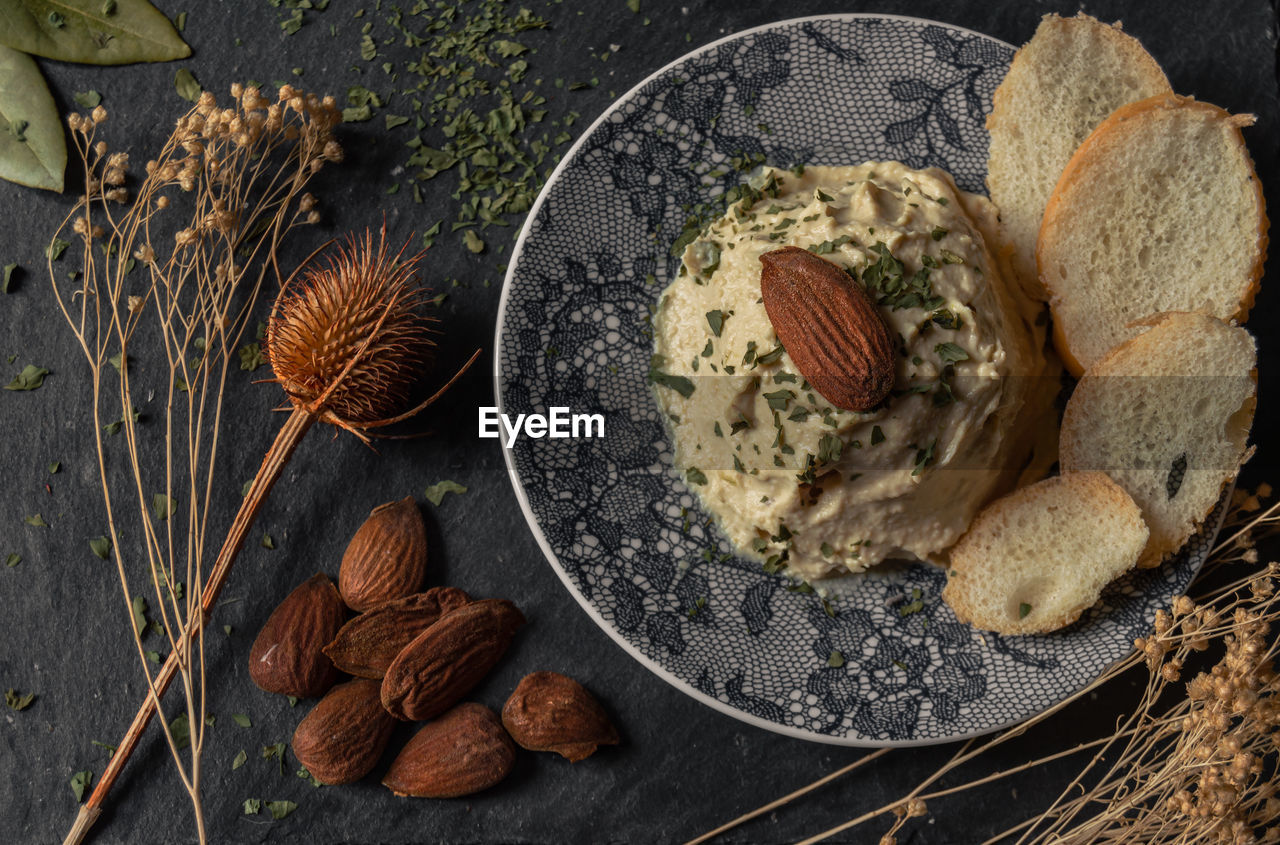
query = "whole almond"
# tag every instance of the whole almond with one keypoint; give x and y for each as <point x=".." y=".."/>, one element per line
<point x="445" y="661"/>
<point x="829" y="326"/>
<point x="551" y="712"/>
<point x="286" y="657"/>
<point x="367" y="644"/>
<point x="387" y="557"/>
<point x="343" y="736"/>
<point x="464" y="751"/>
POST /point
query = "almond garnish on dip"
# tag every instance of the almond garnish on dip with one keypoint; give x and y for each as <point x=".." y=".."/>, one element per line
<point x="830" y="327"/>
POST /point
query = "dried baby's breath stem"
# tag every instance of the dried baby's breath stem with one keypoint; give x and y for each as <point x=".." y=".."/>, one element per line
<point x="229" y="182"/>
<point x="1191" y="767"/>
<point x="291" y="434"/>
<point x="346" y="343"/>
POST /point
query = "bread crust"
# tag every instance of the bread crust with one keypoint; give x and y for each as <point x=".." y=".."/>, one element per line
<point x="1029" y="71"/>
<point x="971" y="554"/>
<point x="1115" y="130"/>
<point x="1113" y="32"/>
<point x="1074" y="452"/>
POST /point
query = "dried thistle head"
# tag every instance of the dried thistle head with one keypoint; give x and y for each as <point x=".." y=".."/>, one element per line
<point x="346" y="339"/>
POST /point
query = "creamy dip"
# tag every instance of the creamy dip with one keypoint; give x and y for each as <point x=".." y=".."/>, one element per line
<point x="817" y="490"/>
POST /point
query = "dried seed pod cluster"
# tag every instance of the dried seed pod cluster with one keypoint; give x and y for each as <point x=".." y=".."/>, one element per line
<point x="414" y="655"/>
<point x="346" y="339"/>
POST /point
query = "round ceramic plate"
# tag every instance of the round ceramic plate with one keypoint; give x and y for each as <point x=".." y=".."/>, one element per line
<point x="615" y="519"/>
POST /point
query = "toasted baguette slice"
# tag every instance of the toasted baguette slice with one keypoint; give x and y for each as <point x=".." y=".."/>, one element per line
<point x="1159" y="210"/>
<point x="1033" y="561"/>
<point x="1166" y="414"/>
<point x="1062" y="83"/>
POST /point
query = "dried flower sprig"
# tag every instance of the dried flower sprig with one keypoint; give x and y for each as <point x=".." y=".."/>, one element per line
<point x="347" y="341"/>
<point x="1199" y="769"/>
<point x="1193" y="771"/>
<point x="242" y="172"/>
<point x="221" y="195"/>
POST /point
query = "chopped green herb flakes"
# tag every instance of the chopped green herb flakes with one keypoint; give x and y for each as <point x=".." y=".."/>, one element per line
<point x="31" y="378"/>
<point x="436" y="492"/>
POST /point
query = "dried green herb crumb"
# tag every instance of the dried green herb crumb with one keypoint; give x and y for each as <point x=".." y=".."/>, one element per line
<point x="251" y="356"/>
<point x="436" y="492"/>
<point x="80" y="781"/>
<point x="187" y="87"/>
<point x="17" y="701"/>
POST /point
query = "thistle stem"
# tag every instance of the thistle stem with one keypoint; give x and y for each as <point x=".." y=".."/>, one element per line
<point x="273" y="465"/>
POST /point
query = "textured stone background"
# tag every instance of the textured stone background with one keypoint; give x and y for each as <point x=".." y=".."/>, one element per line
<point x="683" y="768"/>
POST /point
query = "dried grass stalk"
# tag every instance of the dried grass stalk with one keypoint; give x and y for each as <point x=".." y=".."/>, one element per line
<point x="164" y="280"/>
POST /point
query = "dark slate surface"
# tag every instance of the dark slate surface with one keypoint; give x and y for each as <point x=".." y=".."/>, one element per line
<point x="683" y="768"/>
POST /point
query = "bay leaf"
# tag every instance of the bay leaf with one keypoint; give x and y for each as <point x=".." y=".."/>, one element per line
<point x="83" y="31"/>
<point x="356" y="114"/>
<point x="33" y="150"/>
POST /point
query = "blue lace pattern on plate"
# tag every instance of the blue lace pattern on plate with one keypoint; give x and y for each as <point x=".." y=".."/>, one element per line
<point x="614" y="516"/>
